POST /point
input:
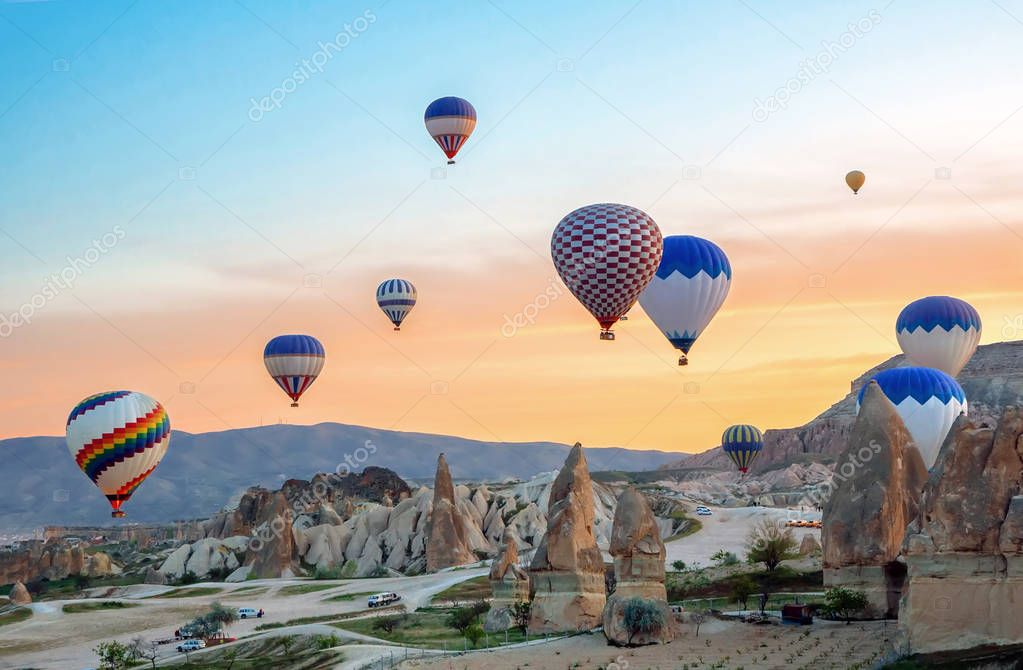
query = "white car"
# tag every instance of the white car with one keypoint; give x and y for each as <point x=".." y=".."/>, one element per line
<point x="247" y="613"/>
<point x="192" y="645"/>
<point x="382" y="599"/>
<point x="703" y="511"/>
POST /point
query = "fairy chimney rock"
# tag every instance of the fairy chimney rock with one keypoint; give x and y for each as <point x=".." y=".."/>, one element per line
<point x="446" y="544"/>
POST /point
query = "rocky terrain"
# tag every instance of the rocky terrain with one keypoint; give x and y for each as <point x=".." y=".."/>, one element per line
<point x="993" y="379"/>
<point x="54" y="559"/>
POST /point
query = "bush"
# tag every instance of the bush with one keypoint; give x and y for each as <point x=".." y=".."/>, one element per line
<point x="461" y="618"/>
<point x="474" y="633"/>
<point x="113" y="655"/>
<point x="641" y="616"/>
<point x="844" y="603"/>
<point x="333" y="572"/>
<point x="327" y="641"/>
<point x="520" y="614"/>
<point x="188" y="578"/>
<point x="771" y="543"/>
<point x="679" y="566"/>
<point x="388" y="624"/>
<point x="742" y="588"/>
<point x="723" y="558"/>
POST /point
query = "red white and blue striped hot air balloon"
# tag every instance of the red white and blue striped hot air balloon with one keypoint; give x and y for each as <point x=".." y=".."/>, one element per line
<point x="450" y="121"/>
<point x="743" y="443"/>
<point x="927" y="400"/>
<point x="294" y="362"/>
<point x="396" y="297"/>
<point x="688" y="289"/>
<point x="939" y="332"/>
<point x="606" y="254"/>
<point x="118" y="438"/>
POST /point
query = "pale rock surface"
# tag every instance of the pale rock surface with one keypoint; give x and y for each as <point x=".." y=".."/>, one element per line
<point x="509" y="584"/>
<point x="19" y="594"/>
<point x="447" y="545"/>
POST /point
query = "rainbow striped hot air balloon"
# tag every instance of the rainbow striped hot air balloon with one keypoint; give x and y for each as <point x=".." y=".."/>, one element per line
<point x="742" y="443"/>
<point x="294" y="362"/>
<point x="396" y="297"/>
<point x="117" y="439"/>
<point x="927" y="400"/>
<point x="688" y="289"/>
<point x="450" y="121"/>
<point x="939" y="332"/>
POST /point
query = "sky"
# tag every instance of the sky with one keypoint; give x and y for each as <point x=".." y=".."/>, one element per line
<point x="201" y="177"/>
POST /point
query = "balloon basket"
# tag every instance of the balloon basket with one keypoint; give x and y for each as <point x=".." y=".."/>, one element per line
<point x="451" y="162"/>
<point x="294" y="404"/>
<point x="624" y="317"/>
<point x="607" y="335"/>
<point x="682" y="360"/>
<point x="118" y="514"/>
<point x="396" y="329"/>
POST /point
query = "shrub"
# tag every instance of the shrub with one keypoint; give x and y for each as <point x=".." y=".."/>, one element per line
<point x="723" y="558"/>
<point x="520" y="614"/>
<point x="742" y="588"/>
<point x="333" y="572"/>
<point x="680" y="566"/>
<point x="461" y="618"/>
<point x="844" y="603"/>
<point x="388" y="624"/>
<point x="327" y="641"/>
<point x="187" y="578"/>
<point x="474" y="633"/>
<point x="113" y="655"/>
<point x="641" y="616"/>
<point x="771" y="543"/>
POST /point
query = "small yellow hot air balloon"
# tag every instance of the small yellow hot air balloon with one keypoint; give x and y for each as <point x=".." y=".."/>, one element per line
<point x="855" y="180"/>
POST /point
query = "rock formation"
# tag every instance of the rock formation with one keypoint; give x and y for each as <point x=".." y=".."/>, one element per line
<point x="809" y="545"/>
<point x="446" y="546"/>
<point x="509" y="584"/>
<point x="964" y="552"/>
<point x="567" y="571"/>
<point x="54" y="559"/>
<point x="153" y="576"/>
<point x="638" y="553"/>
<point x="19" y="594"/>
<point x="879" y="479"/>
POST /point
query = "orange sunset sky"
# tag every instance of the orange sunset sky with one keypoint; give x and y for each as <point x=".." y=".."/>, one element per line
<point x="236" y="230"/>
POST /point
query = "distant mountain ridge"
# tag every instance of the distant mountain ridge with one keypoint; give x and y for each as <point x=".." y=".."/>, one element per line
<point x="201" y="472"/>
<point x="992" y="380"/>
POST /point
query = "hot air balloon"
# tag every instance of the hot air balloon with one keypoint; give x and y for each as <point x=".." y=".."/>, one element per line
<point x="450" y="121"/>
<point x="117" y="439"/>
<point x="742" y="443"/>
<point x="606" y="254"/>
<point x="294" y="361"/>
<point x="855" y="180"/>
<point x="927" y="400"/>
<point x="939" y="332"/>
<point x="396" y="297"/>
<point x="687" y="290"/>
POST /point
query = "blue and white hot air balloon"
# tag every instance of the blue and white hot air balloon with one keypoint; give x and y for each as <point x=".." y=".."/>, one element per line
<point x="396" y="297"/>
<point x="927" y="400"/>
<point x="939" y="332"/>
<point x="688" y="289"/>
<point x="294" y="362"/>
<point x="450" y="121"/>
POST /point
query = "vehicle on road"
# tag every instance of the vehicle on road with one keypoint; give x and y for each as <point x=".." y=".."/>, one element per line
<point x="191" y="645"/>
<point x="382" y="599"/>
<point x="249" y="613"/>
<point x="703" y="511"/>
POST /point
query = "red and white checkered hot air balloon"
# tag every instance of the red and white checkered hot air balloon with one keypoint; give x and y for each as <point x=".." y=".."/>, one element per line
<point x="606" y="254"/>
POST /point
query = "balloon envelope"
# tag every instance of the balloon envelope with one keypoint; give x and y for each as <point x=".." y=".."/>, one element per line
<point x="927" y="400"/>
<point x="855" y="180"/>
<point x="118" y="438"/>
<point x="606" y="255"/>
<point x="743" y="444"/>
<point x="688" y="289"/>
<point x="939" y="332"/>
<point x="396" y="297"/>
<point x="294" y="362"/>
<point x="450" y="121"/>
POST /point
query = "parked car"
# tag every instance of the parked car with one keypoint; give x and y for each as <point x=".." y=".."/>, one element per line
<point x="382" y="599"/>
<point x="249" y="613"/>
<point x="191" y="645"/>
<point x="703" y="511"/>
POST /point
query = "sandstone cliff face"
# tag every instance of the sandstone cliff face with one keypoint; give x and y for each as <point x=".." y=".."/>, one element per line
<point x="567" y="570"/>
<point x="53" y="560"/>
<point x="879" y="480"/>
<point x="509" y="584"/>
<point x="965" y="549"/>
<point x="20" y="595"/>
<point x="638" y="553"/>
<point x="447" y="545"/>
<point x="993" y="380"/>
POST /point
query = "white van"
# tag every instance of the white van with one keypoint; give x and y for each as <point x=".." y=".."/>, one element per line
<point x="381" y="599"/>
<point x="247" y="613"/>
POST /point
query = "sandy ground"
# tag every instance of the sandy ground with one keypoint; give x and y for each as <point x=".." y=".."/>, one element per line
<point x="728" y="644"/>
<point x="53" y="639"/>
<point x="728" y="528"/>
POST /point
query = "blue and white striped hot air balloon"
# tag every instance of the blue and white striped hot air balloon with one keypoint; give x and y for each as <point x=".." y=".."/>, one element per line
<point x="688" y="289"/>
<point x="450" y="121"/>
<point x="743" y="444"/>
<point x="927" y="400"/>
<point x="396" y="297"/>
<point x="294" y="362"/>
<point x="939" y="332"/>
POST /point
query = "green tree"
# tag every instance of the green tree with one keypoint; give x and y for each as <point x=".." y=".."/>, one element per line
<point x="770" y="543"/>
<point x="844" y="603"/>
<point x="723" y="558"/>
<point x="474" y="633"/>
<point x="113" y="655"/>
<point x="389" y="623"/>
<point x="742" y="588"/>
<point x="461" y="618"/>
<point x="225" y="616"/>
<point x="680" y="566"/>
<point x="520" y="614"/>
<point x="641" y="616"/>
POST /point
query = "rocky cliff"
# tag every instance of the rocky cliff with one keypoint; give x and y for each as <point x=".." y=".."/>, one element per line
<point x="993" y="380"/>
<point x="54" y="559"/>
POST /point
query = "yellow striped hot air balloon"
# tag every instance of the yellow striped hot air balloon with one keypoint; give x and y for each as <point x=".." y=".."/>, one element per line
<point x="742" y="443"/>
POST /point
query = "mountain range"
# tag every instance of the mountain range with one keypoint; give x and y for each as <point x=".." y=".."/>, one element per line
<point x="202" y="472"/>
